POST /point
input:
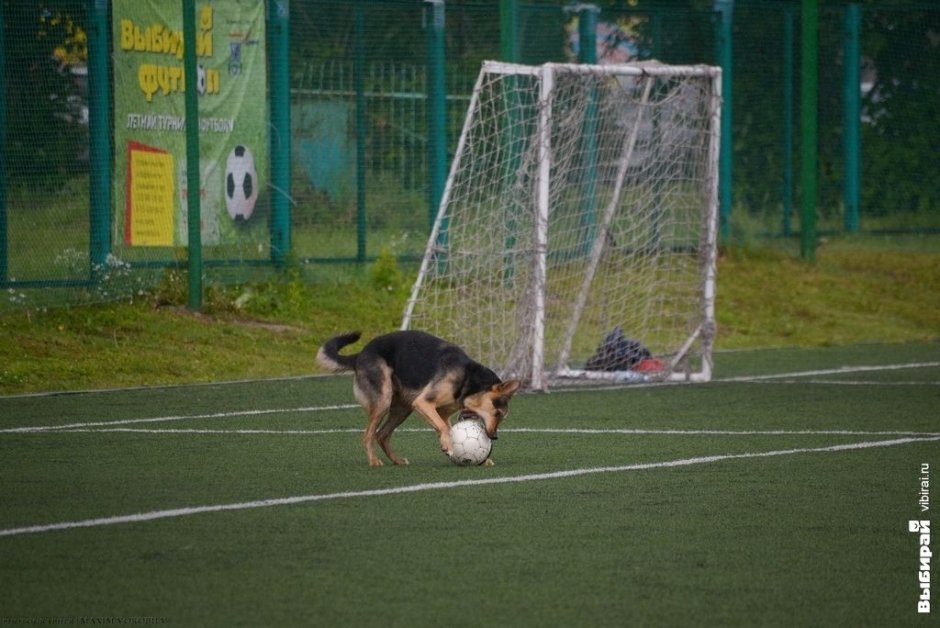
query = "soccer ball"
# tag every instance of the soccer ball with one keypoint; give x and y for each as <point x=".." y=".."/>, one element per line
<point x="470" y="442"/>
<point x="241" y="184"/>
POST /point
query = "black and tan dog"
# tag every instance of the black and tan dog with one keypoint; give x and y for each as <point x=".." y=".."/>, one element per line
<point x="407" y="371"/>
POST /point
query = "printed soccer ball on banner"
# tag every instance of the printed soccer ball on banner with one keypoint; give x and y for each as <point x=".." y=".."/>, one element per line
<point x="241" y="184"/>
<point x="470" y="442"/>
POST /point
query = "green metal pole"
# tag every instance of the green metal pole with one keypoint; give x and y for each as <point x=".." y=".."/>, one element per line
<point x="587" y="53"/>
<point x="587" y="33"/>
<point x="788" y="61"/>
<point x="99" y="127"/>
<point x="194" y="210"/>
<point x="359" y="69"/>
<point x="437" y="114"/>
<point x="279" y="62"/>
<point x="852" y="80"/>
<point x="808" y="121"/>
<point x="725" y="60"/>
<point x="509" y="50"/>
<point x="656" y="32"/>
<point x="4" y="252"/>
<point x="509" y="30"/>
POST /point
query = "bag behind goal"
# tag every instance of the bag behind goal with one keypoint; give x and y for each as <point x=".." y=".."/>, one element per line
<point x="579" y="223"/>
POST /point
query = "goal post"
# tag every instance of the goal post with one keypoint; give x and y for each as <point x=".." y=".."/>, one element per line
<point x="576" y="236"/>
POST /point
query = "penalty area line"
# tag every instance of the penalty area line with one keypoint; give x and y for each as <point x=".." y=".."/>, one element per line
<point x="180" y="417"/>
<point x="626" y="431"/>
<point x="431" y="486"/>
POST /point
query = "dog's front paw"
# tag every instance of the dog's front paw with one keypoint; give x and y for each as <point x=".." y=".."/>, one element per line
<point x="446" y="447"/>
<point x="488" y="462"/>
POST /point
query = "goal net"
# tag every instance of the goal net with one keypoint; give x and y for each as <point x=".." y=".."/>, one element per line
<point x="576" y="236"/>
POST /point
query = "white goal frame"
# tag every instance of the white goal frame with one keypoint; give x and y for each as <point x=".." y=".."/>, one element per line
<point x="538" y="374"/>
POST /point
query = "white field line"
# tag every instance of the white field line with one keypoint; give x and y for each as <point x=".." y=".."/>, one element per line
<point x="243" y="413"/>
<point x="512" y="430"/>
<point x="179" y="417"/>
<point x="837" y="371"/>
<point x="766" y="378"/>
<point x="431" y="486"/>
<point x="842" y="382"/>
<point x="124" y="389"/>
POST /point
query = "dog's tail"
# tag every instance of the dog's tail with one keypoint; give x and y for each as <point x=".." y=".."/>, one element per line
<point x="329" y="358"/>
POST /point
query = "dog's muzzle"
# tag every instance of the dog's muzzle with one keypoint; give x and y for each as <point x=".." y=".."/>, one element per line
<point x="468" y="415"/>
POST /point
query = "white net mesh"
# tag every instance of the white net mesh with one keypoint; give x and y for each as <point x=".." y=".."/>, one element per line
<point x="581" y="200"/>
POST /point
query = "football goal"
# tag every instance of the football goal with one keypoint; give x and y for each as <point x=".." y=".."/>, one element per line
<point x="576" y="236"/>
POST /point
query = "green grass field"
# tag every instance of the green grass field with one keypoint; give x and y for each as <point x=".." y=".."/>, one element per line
<point x="779" y="494"/>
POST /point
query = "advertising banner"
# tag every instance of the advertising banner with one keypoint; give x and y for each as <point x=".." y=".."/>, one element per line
<point x="150" y="122"/>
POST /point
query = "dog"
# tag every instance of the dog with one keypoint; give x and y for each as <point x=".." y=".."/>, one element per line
<point x="407" y="371"/>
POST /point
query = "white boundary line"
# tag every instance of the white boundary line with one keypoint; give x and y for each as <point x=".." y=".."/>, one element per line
<point x="843" y="382"/>
<point x="835" y="371"/>
<point x="766" y="378"/>
<point x="511" y="430"/>
<point x="315" y="376"/>
<point x="242" y="413"/>
<point x="124" y="389"/>
<point x="179" y="417"/>
<point x="430" y="486"/>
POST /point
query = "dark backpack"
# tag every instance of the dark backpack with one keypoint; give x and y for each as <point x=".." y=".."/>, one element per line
<point x="617" y="353"/>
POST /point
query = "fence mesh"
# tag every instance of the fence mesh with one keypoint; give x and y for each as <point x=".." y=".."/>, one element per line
<point x="359" y="86"/>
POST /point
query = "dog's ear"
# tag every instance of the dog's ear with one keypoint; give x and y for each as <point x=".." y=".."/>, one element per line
<point x="506" y="389"/>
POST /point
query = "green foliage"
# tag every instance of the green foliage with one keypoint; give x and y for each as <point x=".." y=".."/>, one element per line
<point x="766" y="298"/>
<point x="902" y="138"/>
<point x="45" y="139"/>
<point x="386" y="275"/>
<point x="770" y="298"/>
<point x="901" y="55"/>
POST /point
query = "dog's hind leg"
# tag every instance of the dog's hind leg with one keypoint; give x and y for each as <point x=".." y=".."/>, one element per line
<point x="396" y="416"/>
<point x="375" y="395"/>
<point x="376" y="412"/>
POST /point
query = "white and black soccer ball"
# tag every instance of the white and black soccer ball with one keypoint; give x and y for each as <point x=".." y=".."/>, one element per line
<point x="241" y="183"/>
<point x="470" y="442"/>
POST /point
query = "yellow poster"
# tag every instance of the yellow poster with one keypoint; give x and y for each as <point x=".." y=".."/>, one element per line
<point x="150" y="123"/>
<point x="150" y="197"/>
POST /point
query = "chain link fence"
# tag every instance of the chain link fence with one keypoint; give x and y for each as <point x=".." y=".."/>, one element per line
<point x="359" y="85"/>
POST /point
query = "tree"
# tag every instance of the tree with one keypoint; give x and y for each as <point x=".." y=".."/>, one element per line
<point x="46" y="138"/>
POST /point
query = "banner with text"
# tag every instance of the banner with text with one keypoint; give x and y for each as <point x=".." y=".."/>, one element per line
<point x="150" y="186"/>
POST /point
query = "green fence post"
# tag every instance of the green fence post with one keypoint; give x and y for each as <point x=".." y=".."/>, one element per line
<point x="509" y="30"/>
<point x="359" y="69"/>
<point x="587" y="53"/>
<point x="99" y="128"/>
<point x="278" y="61"/>
<point x="851" y="193"/>
<point x="656" y="34"/>
<point x="788" y="46"/>
<point x="4" y="252"/>
<point x="725" y="9"/>
<point x="437" y="114"/>
<point x="509" y="51"/>
<point x="587" y="32"/>
<point x="193" y="206"/>
<point x="808" y="122"/>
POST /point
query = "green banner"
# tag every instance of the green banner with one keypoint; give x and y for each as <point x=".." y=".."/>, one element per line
<point x="150" y="187"/>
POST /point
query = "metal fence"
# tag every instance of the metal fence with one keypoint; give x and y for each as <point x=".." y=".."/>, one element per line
<point x="363" y="168"/>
